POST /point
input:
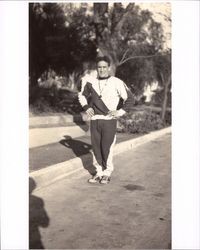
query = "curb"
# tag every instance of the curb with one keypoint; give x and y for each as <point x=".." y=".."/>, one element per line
<point x="53" y="173"/>
<point x="54" y="120"/>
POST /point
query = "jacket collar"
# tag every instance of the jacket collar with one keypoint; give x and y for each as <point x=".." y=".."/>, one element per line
<point x="103" y="78"/>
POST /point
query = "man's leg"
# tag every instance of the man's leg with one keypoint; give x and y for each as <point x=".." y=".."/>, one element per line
<point x="107" y="145"/>
<point x="96" y="146"/>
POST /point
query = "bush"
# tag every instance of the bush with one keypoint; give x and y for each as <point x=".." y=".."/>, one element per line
<point x="168" y="117"/>
<point x="40" y="106"/>
<point x="140" y="122"/>
<point x="53" y="101"/>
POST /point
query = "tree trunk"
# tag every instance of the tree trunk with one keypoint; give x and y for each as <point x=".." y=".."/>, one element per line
<point x="101" y="24"/>
<point x="100" y="19"/>
<point x="164" y="104"/>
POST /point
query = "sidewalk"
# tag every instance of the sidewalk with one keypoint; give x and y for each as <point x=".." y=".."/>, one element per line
<point x="65" y="149"/>
<point x="47" y="135"/>
<point x="69" y="154"/>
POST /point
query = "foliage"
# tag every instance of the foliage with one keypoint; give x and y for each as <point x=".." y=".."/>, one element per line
<point x="162" y="66"/>
<point x="141" y="72"/>
<point x="136" y="74"/>
<point x="57" y="40"/>
<point x="65" y="37"/>
<point x="44" y="20"/>
<point x="140" y="122"/>
<point x="157" y="99"/>
<point x="40" y="106"/>
<point x="134" y="42"/>
<point x="129" y="32"/>
<point x="55" y="100"/>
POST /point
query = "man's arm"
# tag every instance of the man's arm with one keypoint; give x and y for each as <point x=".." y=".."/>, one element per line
<point x="83" y="96"/>
<point x="127" y="97"/>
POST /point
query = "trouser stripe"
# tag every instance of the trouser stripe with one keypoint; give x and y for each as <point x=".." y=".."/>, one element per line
<point x="109" y="162"/>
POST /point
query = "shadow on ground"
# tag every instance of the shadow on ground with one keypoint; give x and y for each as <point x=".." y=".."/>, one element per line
<point x="38" y="217"/>
<point x="80" y="149"/>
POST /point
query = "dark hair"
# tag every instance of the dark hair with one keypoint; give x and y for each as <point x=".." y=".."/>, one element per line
<point x="103" y="58"/>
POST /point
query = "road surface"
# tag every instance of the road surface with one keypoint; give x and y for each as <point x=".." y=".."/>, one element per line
<point x="132" y="212"/>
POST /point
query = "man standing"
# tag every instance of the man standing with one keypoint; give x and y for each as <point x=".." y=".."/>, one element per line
<point x="99" y="98"/>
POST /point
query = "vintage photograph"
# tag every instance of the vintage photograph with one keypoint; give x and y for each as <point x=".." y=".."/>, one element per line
<point x="100" y="111"/>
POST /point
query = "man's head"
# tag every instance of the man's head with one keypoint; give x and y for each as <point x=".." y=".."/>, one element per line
<point x="103" y="64"/>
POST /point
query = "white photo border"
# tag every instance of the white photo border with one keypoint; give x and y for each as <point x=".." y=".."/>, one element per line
<point x="185" y="124"/>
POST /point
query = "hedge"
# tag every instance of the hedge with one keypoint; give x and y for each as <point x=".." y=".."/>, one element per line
<point x="141" y="122"/>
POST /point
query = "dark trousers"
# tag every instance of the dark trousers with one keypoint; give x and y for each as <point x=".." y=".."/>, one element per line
<point x="103" y="135"/>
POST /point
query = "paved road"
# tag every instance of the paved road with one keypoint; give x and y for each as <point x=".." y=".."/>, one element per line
<point x="133" y="211"/>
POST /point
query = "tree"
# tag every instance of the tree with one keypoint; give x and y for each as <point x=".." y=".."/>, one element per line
<point x="58" y="40"/>
<point x="67" y="35"/>
<point x="163" y="72"/>
<point x="44" y="20"/>
<point x="126" y="33"/>
<point x="60" y="36"/>
<point x="134" y="42"/>
<point x="79" y="36"/>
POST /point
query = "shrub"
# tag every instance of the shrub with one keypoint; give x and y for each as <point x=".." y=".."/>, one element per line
<point x="40" y="106"/>
<point x="52" y="101"/>
<point x="168" y="117"/>
<point x="140" y="122"/>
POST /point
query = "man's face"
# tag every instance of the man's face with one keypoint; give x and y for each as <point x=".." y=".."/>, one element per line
<point x="103" y="69"/>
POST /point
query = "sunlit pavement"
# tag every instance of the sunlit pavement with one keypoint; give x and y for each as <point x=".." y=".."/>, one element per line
<point x="133" y="211"/>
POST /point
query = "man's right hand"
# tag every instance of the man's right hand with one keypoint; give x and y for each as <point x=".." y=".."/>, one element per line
<point x="90" y="112"/>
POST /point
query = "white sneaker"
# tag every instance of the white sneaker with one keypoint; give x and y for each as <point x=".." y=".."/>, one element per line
<point x="95" y="179"/>
<point x="105" y="179"/>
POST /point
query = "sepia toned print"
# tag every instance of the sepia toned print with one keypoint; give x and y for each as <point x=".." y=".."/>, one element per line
<point x="100" y="125"/>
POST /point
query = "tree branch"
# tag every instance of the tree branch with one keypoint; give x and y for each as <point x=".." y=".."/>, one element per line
<point x="123" y="57"/>
<point x="162" y="77"/>
<point x="134" y="57"/>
